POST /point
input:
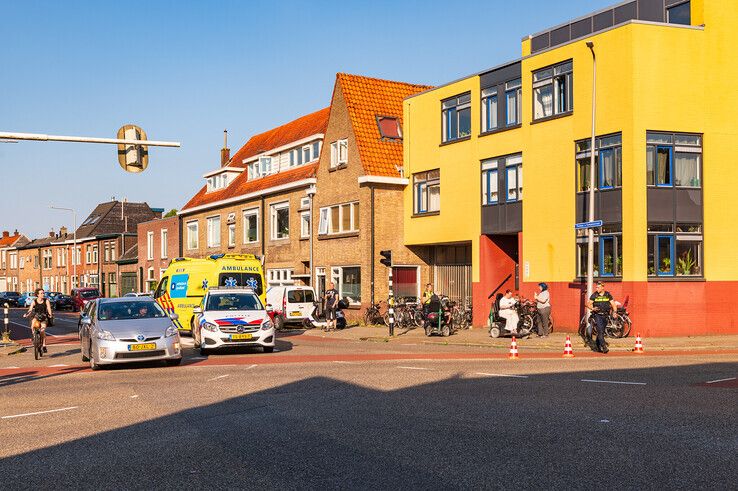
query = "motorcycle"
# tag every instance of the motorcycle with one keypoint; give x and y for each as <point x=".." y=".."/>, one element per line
<point x="526" y="314"/>
<point x="317" y="318"/>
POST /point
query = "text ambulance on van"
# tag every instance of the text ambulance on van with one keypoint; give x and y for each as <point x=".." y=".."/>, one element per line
<point x="185" y="281"/>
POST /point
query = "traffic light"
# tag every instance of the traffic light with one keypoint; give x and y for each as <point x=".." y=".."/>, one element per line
<point x="386" y="258"/>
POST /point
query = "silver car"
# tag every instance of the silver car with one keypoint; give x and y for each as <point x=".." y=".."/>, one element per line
<point x="128" y="329"/>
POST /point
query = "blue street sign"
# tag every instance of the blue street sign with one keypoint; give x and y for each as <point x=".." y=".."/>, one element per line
<point x="595" y="224"/>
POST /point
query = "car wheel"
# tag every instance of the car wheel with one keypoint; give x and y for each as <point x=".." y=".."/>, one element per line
<point x="268" y="349"/>
<point x="174" y="363"/>
<point x="195" y="339"/>
<point x="94" y="366"/>
<point x="278" y="322"/>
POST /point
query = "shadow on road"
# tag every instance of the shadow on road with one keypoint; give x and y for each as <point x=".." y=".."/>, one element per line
<point x="32" y="375"/>
<point x="470" y="432"/>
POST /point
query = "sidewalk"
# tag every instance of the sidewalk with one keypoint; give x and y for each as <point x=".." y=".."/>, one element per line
<point x="554" y="342"/>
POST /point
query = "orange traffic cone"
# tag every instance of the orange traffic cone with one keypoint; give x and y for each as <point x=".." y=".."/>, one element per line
<point x="568" y="351"/>
<point x="639" y="345"/>
<point x="513" y="350"/>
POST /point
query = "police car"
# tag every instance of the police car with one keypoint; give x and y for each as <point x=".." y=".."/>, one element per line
<point x="232" y="316"/>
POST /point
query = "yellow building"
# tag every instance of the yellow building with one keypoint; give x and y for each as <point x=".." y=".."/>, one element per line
<point x="665" y="124"/>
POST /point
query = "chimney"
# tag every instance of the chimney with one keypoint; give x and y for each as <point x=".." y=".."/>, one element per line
<point x="6" y="234"/>
<point x="225" y="152"/>
<point x="52" y="234"/>
<point x="63" y="231"/>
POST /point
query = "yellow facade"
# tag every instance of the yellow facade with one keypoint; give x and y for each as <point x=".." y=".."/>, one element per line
<point x="657" y="77"/>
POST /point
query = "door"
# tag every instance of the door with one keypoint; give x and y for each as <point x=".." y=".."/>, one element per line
<point x="405" y="282"/>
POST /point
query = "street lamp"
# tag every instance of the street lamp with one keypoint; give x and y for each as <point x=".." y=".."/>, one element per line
<point x="74" y="239"/>
<point x="311" y="193"/>
<point x="590" y="231"/>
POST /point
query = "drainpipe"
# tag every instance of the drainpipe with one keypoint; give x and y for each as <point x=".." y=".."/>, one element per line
<point x="371" y="259"/>
<point x="261" y="225"/>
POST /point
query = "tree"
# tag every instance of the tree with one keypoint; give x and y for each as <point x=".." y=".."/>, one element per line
<point x="171" y="213"/>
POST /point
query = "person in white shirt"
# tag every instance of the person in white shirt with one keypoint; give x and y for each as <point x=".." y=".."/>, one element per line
<point x="508" y="312"/>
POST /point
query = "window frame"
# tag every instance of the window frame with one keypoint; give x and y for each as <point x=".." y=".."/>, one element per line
<point x="193" y="231"/>
<point x="231" y="234"/>
<point x="274" y="209"/>
<point x="164" y="246"/>
<point x="563" y="70"/>
<point x="336" y="153"/>
<point x="304" y="218"/>
<point x="325" y="227"/>
<point x="451" y="109"/>
<point x="490" y="110"/>
<point x="608" y="232"/>
<point x="248" y="212"/>
<point x="670" y="8"/>
<point x="582" y="158"/>
<point x="514" y="161"/>
<point x="209" y="236"/>
<point x="515" y="88"/>
<point x="490" y="168"/>
<point x="674" y="148"/>
<point x="150" y="245"/>
<point x="426" y="182"/>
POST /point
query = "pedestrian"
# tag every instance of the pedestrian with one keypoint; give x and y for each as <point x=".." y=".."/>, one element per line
<point x="331" y="304"/>
<point x="602" y="305"/>
<point x="543" y="305"/>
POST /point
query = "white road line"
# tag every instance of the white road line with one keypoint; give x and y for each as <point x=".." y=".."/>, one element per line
<point x="39" y="412"/>
<point x="251" y="366"/>
<point x="414" y="368"/>
<point x="216" y="378"/>
<point x="501" y="375"/>
<point x="59" y="365"/>
<point x="8" y="368"/>
<point x="344" y="362"/>
<point x="134" y="396"/>
<point x="612" y="382"/>
<point x="720" y="380"/>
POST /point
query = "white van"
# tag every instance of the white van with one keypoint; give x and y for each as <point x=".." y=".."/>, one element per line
<point x="291" y="304"/>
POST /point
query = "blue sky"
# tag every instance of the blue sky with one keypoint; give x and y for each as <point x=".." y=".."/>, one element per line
<point x="187" y="70"/>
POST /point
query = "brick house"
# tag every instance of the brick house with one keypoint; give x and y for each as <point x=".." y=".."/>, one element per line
<point x="158" y="243"/>
<point x="359" y="200"/>
<point x="255" y="202"/>
<point x="9" y="259"/>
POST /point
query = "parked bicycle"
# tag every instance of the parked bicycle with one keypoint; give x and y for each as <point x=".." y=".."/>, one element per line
<point x="373" y="314"/>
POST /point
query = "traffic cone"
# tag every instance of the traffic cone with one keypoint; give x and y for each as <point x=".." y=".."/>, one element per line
<point x="568" y="351"/>
<point x="513" y="349"/>
<point x="639" y="345"/>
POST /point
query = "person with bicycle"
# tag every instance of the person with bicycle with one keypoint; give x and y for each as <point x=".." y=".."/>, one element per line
<point x="602" y="305"/>
<point x="40" y="308"/>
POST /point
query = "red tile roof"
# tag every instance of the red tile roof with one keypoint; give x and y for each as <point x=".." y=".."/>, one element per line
<point x="293" y="131"/>
<point x="242" y="186"/>
<point x="366" y="98"/>
<point x="9" y="241"/>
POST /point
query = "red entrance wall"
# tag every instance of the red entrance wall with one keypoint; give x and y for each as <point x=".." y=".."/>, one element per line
<point x="498" y="256"/>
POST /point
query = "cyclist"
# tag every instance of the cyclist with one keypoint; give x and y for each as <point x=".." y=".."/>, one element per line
<point x="602" y="305"/>
<point x="41" y="310"/>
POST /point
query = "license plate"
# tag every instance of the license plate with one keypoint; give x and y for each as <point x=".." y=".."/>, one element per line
<point x="240" y="337"/>
<point x="141" y="347"/>
<point x="295" y="314"/>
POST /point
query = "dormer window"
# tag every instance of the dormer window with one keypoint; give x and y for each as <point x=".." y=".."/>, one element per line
<point x="389" y="127"/>
<point x="305" y="154"/>
<point x="220" y="179"/>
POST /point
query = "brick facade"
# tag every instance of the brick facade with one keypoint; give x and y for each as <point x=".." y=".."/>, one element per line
<point x="152" y="262"/>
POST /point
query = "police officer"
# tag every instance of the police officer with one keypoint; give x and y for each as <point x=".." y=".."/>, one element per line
<point x="602" y="305"/>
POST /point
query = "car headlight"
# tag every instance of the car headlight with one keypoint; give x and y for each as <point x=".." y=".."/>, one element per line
<point x="171" y="331"/>
<point x="266" y="325"/>
<point x="209" y="326"/>
<point x="105" y="335"/>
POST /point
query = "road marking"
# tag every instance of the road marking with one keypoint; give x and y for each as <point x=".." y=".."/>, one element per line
<point x="612" y="382"/>
<point x="216" y="378"/>
<point x="48" y="333"/>
<point x="252" y="366"/>
<point x="344" y="362"/>
<point x="414" y="368"/>
<point x="39" y="412"/>
<point x="720" y="380"/>
<point x="501" y="375"/>
<point x="59" y="365"/>
<point x="604" y="421"/>
<point x="8" y="368"/>
<point x="134" y="396"/>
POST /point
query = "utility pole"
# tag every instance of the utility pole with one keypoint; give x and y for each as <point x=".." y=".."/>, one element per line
<point x="387" y="261"/>
<point x="591" y="217"/>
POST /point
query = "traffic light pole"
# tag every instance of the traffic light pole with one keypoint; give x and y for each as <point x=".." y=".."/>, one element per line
<point x="391" y="304"/>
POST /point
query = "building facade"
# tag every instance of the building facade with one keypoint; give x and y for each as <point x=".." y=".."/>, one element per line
<point x="9" y="259"/>
<point x="663" y="128"/>
<point x="158" y="244"/>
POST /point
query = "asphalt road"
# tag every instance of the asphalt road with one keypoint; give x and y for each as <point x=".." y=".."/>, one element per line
<point x="368" y="416"/>
<point x="65" y="324"/>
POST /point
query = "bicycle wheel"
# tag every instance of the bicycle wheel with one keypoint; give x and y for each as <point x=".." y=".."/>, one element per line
<point x="36" y="345"/>
<point x="369" y="315"/>
<point x="418" y="318"/>
<point x="627" y="326"/>
<point x="583" y="331"/>
<point x="614" y="328"/>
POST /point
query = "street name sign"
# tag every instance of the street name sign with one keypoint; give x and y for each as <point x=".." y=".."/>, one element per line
<point x="583" y="225"/>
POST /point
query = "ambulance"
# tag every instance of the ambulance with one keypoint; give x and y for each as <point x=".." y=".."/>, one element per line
<point x="186" y="281"/>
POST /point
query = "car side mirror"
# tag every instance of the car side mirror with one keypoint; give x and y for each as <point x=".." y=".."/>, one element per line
<point x="174" y="317"/>
<point x="86" y="321"/>
<point x="196" y="310"/>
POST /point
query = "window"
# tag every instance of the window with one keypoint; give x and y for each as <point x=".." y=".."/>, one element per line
<point x="231" y="235"/>
<point x="389" y="127"/>
<point x="48" y="258"/>
<point x="490" y="183"/>
<point x="456" y="117"/>
<point x="673" y="160"/>
<point x="608" y="161"/>
<point x="112" y="251"/>
<point x="94" y="254"/>
<point x="107" y="252"/>
<point x="164" y="238"/>
<point x="348" y="283"/>
<point x="280" y="221"/>
<point x="339" y="219"/>
<point x="513" y="102"/>
<point x="489" y="109"/>
<point x="213" y="237"/>
<point x="251" y="226"/>
<point x="552" y="90"/>
<point x="218" y="181"/>
<point x="260" y="168"/>
<point x="339" y="153"/>
<point x="277" y="277"/>
<point x="608" y="255"/>
<point x="13" y="260"/>
<point x="193" y="240"/>
<point x="316" y="150"/>
<point x="88" y="255"/>
<point x="675" y="249"/>
<point x="679" y="14"/>
<point x="305" y="224"/>
<point x="514" y="178"/>
<point x="427" y="192"/>
<point x="151" y="280"/>
<point x="150" y="245"/>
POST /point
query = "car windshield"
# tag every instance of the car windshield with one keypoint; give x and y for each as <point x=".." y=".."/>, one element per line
<point x="300" y="296"/>
<point x="116" y="311"/>
<point x="233" y="301"/>
<point x="12" y="294"/>
<point x="89" y="293"/>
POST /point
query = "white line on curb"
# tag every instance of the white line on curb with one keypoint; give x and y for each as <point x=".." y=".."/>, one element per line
<point x="501" y="375"/>
<point x="612" y="382"/>
<point x="59" y="365"/>
<point x="39" y="412"/>
<point x="8" y="368"/>
<point x="216" y="378"/>
<point x="720" y="380"/>
<point x="344" y="362"/>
